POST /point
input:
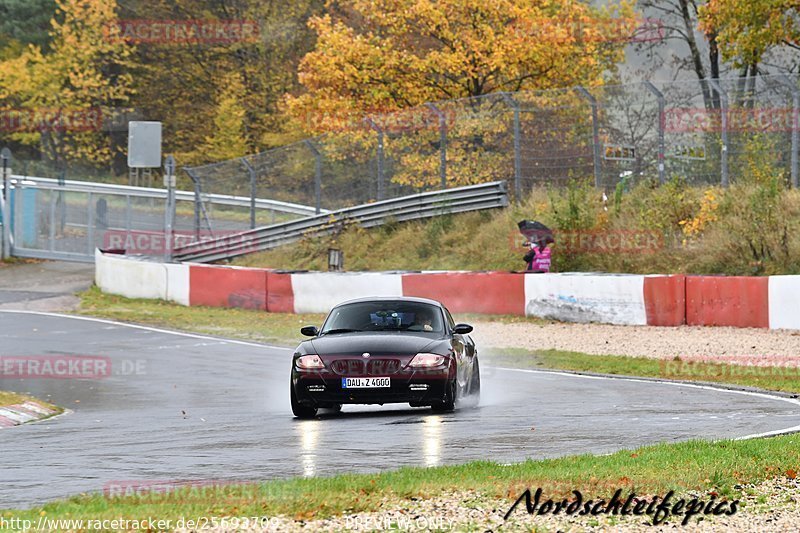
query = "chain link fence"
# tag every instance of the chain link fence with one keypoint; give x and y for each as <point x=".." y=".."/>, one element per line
<point x="703" y="131"/>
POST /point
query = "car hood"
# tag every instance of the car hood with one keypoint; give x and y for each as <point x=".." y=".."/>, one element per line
<point x="379" y="343"/>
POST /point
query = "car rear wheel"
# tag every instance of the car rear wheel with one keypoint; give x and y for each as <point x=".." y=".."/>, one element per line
<point x="299" y="410"/>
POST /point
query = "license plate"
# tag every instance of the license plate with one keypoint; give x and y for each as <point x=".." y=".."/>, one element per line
<point x="366" y="383"/>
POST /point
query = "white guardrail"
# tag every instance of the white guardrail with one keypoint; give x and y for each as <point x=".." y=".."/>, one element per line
<point x="151" y="192"/>
<point x="423" y="205"/>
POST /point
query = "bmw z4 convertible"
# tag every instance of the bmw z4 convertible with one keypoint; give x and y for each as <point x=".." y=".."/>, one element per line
<point x="385" y="350"/>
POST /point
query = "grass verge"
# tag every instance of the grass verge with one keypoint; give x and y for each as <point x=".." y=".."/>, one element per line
<point x="776" y="378"/>
<point x="717" y="467"/>
<point x="278" y="328"/>
<point x="13" y="398"/>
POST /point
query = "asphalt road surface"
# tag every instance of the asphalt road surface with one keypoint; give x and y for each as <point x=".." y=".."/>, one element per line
<point x="187" y="407"/>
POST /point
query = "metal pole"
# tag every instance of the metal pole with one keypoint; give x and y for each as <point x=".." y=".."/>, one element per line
<point x="661" y="147"/>
<point x="317" y="175"/>
<point x="723" y="108"/>
<point x="595" y="134"/>
<point x="196" y="202"/>
<point x="442" y="144"/>
<point x="792" y="84"/>
<point x="169" y="211"/>
<point x="6" y="205"/>
<point x="90" y="224"/>
<point x="517" y="155"/>
<point x="51" y="237"/>
<point x="6" y="224"/>
<point x="252" y="173"/>
<point x="380" y="156"/>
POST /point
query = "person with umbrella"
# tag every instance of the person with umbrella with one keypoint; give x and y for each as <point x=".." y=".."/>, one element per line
<point x="538" y="237"/>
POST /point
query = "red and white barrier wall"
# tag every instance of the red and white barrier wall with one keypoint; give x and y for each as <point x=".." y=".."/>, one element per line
<point x="670" y="300"/>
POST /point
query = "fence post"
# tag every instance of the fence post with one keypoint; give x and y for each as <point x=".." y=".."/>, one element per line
<point x="380" y="156"/>
<point x="90" y="223"/>
<point x="6" y="203"/>
<point x="595" y="134"/>
<point x="661" y="148"/>
<point x="517" y="155"/>
<point x="196" y="202"/>
<point x="442" y="144"/>
<point x="169" y="211"/>
<point x="723" y="109"/>
<point x="795" y="129"/>
<point x="317" y="175"/>
<point x="252" y="173"/>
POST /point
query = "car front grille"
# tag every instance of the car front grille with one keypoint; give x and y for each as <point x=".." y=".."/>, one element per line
<point x="378" y="366"/>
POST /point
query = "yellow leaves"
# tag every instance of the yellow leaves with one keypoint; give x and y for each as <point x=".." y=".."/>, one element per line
<point x="695" y="226"/>
<point x="746" y="29"/>
<point x="72" y="75"/>
<point x="398" y="53"/>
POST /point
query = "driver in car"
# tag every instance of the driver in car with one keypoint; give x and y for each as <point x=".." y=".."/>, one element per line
<point x="424" y="321"/>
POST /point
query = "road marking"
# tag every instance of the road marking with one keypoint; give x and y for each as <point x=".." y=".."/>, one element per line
<point x="148" y="328"/>
<point x="793" y="401"/>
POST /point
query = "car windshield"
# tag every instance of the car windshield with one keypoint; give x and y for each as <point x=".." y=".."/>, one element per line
<point x="384" y="316"/>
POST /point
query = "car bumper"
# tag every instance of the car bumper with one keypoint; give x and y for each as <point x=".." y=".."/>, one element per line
<point x="321" y="391"/>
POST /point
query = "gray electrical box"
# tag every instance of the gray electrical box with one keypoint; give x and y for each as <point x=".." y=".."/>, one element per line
<point x="144" y="144"/>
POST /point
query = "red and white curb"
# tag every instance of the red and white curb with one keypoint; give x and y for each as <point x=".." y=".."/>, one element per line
<point x="14" y="415"/>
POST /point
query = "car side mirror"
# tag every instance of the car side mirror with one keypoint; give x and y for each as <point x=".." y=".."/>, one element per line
<point x="462" y="329"/>
<point x="310" y="331"/>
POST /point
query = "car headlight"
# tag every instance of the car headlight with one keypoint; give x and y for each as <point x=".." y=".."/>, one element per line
<point x="309" y="362"/>
<point x="427" y="360"/>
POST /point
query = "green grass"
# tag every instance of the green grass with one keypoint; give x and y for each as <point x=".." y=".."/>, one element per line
<point x="276" y="328"/>
<point x="10" y="398"/>
<point x="775" y="378"/>
<point x="13" y="398"/>
<point x="694" y="465"/>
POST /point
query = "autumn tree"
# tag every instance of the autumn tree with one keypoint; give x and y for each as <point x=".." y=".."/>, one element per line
<point x="748" y="29"/>
<point x="69" y="91"/>
<point x="177" y="82"/>
<point x="228" y="136"/>
<point x="390" y="54"/>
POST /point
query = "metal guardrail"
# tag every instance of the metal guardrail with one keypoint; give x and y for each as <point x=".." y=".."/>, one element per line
<point x="423" y="205"/>
<point x="148" y="192"/>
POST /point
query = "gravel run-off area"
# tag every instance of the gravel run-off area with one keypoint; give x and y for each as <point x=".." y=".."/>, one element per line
<point x="690" y="343"/>
<point x="773" y="505"/>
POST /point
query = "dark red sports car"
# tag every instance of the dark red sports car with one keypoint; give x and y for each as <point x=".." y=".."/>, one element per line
<point x="385" y="350"/>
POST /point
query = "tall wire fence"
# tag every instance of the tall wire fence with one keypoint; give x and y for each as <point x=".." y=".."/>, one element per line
<point x="703" y="131"/>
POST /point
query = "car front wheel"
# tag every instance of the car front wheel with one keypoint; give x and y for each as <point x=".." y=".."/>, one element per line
<point x="449" y="401"/>
<point x="299" y="410"/>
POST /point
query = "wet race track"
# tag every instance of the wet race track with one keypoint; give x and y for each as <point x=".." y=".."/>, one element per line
<point x="187" y="407"/>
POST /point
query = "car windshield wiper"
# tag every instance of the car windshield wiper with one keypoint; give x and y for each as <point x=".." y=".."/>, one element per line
<point x="340" y="330"/>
